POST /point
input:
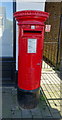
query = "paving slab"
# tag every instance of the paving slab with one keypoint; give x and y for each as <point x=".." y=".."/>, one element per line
<point x="26" y="114"/>
<point x="16" y="114"/>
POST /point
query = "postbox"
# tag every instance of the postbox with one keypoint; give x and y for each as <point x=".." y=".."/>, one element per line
<point x="30" y="48"/>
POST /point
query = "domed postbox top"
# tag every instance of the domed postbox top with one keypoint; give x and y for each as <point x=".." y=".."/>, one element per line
<point x="31" y="15"/>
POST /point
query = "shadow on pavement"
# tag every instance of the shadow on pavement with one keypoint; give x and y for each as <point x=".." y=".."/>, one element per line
<point x="11" y="108"/>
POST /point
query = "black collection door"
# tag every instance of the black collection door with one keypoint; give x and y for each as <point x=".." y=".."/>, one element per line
<point x="7" y="43"/>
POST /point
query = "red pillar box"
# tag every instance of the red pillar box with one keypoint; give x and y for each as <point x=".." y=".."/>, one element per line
<point x="30" y="48"/>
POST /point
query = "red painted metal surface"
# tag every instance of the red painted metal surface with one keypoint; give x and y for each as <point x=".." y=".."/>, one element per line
<point x="30" y="54"/>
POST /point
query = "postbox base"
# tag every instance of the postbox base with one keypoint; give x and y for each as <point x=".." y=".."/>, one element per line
<point x="28" y="99"/>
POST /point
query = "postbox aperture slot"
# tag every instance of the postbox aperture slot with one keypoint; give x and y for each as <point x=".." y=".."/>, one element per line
<point x="28" y="31"/>
<point x="32" y="32"/>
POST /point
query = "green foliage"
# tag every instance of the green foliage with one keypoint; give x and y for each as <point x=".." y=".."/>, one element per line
<point x="42" y="97"/>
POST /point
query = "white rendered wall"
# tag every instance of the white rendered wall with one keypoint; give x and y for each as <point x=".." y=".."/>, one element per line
<point x="32" y="5"/>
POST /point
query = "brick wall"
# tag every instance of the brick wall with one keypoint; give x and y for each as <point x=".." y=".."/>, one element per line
<point x="51" y="38"/>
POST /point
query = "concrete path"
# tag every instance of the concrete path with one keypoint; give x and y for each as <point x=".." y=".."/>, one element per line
<point x="52" y="89"/>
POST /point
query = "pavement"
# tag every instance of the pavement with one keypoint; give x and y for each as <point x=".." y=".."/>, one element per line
<point x="50" y="101"/>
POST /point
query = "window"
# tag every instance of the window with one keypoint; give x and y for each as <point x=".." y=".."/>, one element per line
<point x="6" y="29"/>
